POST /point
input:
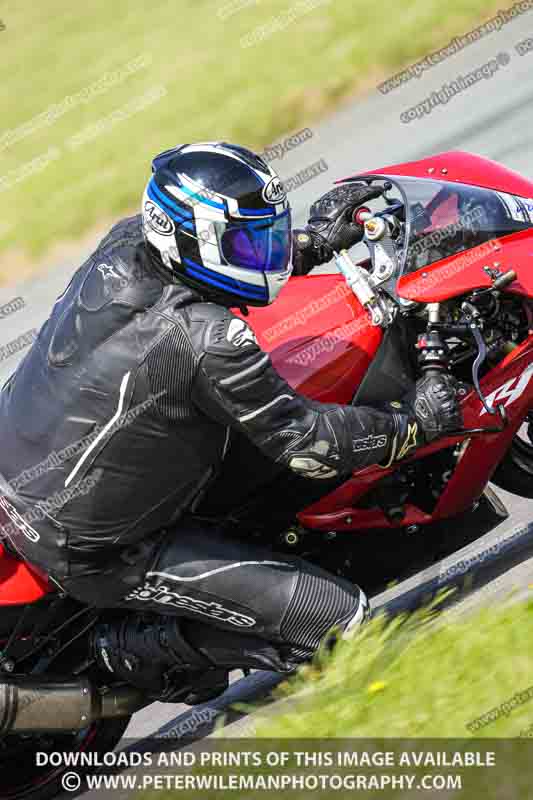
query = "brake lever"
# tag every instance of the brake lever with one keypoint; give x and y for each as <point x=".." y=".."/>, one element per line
<point x="480" y="359"/>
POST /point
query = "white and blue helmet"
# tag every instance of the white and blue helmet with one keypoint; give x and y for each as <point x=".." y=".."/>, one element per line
<point x="217" y="216"/>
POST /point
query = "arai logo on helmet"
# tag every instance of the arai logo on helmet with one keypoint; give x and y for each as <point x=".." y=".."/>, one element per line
<point x="157" y="219"/>
<point x="274" y="192"/>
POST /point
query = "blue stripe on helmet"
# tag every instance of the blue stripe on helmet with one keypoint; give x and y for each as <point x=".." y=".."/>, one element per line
<point x="256" y="212"/>
<point x="219" y="285"/>
<point x="200" y="199"/>
<point x="226" y="283"/>
<point x="173" y="209"/>
<point x="184" y="222"/>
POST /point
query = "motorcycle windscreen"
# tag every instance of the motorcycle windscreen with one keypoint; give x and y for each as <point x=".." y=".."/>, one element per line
<point x="448" y="218"/>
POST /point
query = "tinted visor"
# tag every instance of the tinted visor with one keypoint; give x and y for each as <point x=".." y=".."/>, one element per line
<point x="262" y="245"/>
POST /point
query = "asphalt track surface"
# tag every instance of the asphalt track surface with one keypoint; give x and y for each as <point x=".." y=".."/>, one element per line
<point x="493" y="118"/>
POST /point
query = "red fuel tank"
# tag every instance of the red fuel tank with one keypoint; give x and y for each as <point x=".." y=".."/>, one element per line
<point x="319" y="337"/>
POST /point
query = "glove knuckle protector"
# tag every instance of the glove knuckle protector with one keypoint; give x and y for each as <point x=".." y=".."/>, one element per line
<point x="436" y="406"/>
<point x="330" y="227"/>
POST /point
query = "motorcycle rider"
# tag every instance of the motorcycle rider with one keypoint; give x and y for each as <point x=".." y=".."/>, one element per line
<point x="119" y="416"/>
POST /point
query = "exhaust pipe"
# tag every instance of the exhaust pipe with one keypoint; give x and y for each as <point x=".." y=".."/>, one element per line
<point x="28" y="705"/>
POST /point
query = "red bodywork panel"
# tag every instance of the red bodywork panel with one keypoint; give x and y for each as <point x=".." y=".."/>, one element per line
<point x="339" y="510"/>
<point x="319" y="337"/>
<point x="464" y="272"/>
<point x="20" y="583"/>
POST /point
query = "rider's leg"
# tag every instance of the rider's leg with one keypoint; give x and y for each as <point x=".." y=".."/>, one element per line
<point x="232" y="604"/>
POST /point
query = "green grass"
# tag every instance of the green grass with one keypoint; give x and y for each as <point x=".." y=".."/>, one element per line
<point x="209" y="87"/>
<point x="409" y="679"/>
<point x="398" y="686"/>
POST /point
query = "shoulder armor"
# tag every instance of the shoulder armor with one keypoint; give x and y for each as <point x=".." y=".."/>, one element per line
<point x="119" y="273"/>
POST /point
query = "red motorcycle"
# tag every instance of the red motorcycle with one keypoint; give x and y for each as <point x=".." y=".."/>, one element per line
<point x="446" y="283"/>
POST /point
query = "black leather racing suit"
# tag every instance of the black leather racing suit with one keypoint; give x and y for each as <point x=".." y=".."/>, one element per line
<point x="118" y="417"/>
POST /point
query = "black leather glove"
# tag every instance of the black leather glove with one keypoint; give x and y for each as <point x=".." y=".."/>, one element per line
<point x="436" y="406"/>
<point x="430" y="411"/>
<point x="330" y="227"/>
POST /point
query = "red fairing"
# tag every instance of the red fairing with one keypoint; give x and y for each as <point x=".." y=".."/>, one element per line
<point x="460" y="167"/>
<point x="464" y="272"/>
<point x="319" y="337"/>
<point x="20" y="583"/>
<point x="340" y="509"/>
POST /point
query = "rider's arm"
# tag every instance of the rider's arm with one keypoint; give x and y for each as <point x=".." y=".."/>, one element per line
<point x="237" y="385"/>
